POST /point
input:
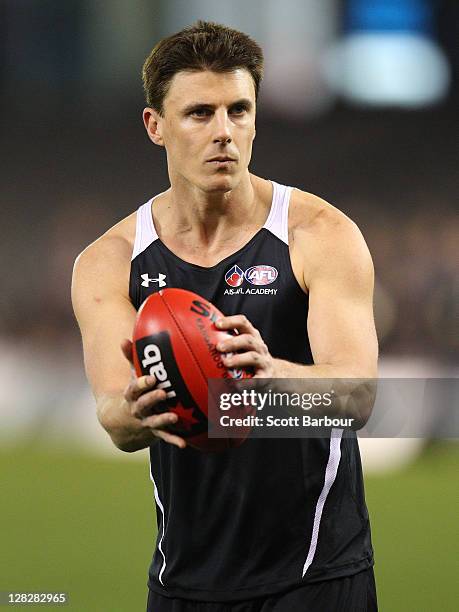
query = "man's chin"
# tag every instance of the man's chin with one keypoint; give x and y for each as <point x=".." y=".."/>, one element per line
<point x="221" y="184"/>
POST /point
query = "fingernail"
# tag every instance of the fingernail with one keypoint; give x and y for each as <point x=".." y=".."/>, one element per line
<point x="221" y="346"/>
<point x="219" y="323"/>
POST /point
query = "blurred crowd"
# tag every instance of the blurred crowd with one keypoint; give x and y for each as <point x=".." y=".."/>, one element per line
<point x="417" y="294"/>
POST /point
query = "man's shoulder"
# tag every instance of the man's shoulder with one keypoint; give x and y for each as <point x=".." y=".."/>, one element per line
<point x="313" y="215"/>
<point x="323" y="238"/>
<point x="110" y="253"/>
<point x="117" y="242"/>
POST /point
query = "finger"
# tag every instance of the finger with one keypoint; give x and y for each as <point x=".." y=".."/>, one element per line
<point x="143" y="382"/>
<point x="145" y="404"/>
<point x="126" y="347"/>
<point x="139" y="386"/>
<point x="170" y="438"/>
<point x="239" y="322"/>
<point x="243" y="360"/>
<point x="158" y="423"/>
<point x="244" y="342"/>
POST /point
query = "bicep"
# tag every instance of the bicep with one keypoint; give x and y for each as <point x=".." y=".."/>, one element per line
<point x="106" y="317"/>
<point x="340" y="322"/>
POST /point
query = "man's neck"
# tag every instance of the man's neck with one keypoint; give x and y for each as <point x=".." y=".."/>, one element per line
<point x="208" y="218"/>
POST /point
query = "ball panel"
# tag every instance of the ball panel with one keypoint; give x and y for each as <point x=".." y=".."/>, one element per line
<point x="195" y="318"/>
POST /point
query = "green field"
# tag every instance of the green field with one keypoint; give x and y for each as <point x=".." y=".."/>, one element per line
<point x="86" y="526"/>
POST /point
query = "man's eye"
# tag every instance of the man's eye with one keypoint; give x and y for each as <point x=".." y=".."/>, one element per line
<point x="238" y="110"/>
<point x="201" y="112"/>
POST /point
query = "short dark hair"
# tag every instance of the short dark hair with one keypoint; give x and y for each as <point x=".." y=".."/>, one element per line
<point x="202" y="46"/>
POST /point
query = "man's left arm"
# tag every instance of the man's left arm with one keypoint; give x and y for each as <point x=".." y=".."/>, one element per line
<point x="338" y="272"/>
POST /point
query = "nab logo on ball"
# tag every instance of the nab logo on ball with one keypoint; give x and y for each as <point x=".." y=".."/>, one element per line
<point x="235" y="276"/>
<point x="261" y="275"/>
<point x="155" y="357"/>
<point x="154" y="361"/>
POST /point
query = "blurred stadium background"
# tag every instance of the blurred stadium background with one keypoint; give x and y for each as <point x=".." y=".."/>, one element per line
<point x="360" y="106"/>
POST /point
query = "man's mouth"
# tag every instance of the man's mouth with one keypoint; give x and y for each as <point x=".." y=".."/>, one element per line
<point x="221" y="159"/>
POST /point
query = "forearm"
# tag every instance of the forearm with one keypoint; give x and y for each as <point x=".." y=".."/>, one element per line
<point x="126" y="431"/>
<point x="288" y="369"/>
<point x="352" y="388"/>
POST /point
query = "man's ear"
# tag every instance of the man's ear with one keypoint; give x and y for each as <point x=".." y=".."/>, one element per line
<point x="152" y="121"/>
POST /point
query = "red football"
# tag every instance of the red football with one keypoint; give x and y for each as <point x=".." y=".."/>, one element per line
<point x="174" y="339"/>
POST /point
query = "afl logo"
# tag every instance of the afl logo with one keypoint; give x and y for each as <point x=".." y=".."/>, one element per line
<point x="235" y="276"/>
<point x="261" y="275"/>
<point x="235" y="374"/>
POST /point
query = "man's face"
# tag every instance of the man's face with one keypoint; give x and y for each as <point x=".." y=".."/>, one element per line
<point x="208" y="128"/>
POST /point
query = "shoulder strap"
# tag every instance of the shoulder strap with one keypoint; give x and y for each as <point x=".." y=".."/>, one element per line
<point x="277" y="221"/>
<point x="145" y="232"/>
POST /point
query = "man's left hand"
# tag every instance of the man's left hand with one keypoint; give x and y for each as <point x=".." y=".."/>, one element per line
<point x="247" y="347"/>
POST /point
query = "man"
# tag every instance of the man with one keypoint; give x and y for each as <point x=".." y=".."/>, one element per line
<point x="275" y="524"/>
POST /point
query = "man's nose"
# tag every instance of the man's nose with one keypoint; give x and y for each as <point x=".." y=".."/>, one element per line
<point x="222" y="130"/>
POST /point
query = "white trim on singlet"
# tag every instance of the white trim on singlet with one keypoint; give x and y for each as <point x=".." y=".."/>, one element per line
<point x="161" y="507"/>
<point x="145" y="232"/>
<point x="330" y="476"/>
<point x="277" y="221"/>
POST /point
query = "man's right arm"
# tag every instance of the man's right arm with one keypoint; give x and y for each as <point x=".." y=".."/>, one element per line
<point x="106" y="316"/>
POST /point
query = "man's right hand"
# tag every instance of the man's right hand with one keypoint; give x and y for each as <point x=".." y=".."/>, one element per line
<point x="142" y="397"/>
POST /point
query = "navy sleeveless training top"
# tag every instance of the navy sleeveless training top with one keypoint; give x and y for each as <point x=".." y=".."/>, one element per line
<point x="271" y="514"/>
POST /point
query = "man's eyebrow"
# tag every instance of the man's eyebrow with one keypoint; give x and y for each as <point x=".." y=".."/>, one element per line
<point x="245" y="102"/>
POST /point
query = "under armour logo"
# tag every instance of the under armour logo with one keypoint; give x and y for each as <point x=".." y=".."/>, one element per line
<point x="146" y="280"/>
